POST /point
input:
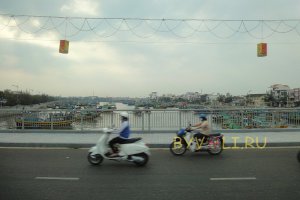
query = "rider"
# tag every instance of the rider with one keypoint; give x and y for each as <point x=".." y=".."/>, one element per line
<point x="123" y="132"/>
<point x="202" y="129"/>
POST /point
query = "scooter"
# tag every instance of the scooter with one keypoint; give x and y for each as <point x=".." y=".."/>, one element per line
<point x="298" y="156"/>
<point x="185" y="140"/>
<point x="133" y="150"/>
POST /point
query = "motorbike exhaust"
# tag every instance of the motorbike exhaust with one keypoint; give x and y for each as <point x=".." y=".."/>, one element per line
<point x="137" y="158"/>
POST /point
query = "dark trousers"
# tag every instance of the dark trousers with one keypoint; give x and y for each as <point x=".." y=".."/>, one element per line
<point x="116" y="140"/>
<point x="200" y="137"/>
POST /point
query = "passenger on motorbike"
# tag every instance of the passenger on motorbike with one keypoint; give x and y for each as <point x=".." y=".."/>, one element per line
<point x="124" y="133"/>
<point x="202" y="129"/>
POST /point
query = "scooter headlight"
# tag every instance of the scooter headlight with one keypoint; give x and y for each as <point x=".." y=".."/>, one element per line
<point x="181" y="132"/>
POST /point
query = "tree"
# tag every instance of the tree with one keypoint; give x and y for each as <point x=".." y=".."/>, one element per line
<point x="270" y="99"/>
<point x="22" y="98"/>
<point x="228" y="98"/>
<point x="221" y="98"/>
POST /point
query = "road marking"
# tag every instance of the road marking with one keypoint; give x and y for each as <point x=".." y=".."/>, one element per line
<point x="233" y="179"/>
<point x="284" y="147"/>
<point x="37" y="148"/>
<point x="58" y="178"/>
<point x="162" y="148"/>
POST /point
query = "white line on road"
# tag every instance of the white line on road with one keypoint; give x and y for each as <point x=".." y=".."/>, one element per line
<point x="166" y="148"/>
<point x="58" y="178"/>
<point x="233" y="179"/>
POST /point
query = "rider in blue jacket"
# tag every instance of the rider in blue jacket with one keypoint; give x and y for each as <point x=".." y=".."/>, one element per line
<point x="124" y="133"/>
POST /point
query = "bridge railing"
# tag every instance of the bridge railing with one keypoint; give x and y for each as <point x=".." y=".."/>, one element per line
<point x="147" y="120"/>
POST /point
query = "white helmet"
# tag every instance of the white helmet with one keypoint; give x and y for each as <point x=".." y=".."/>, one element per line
<point x="124" y="114"/>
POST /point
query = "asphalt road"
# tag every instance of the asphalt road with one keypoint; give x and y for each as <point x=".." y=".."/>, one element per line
<point x="65" y="174"/>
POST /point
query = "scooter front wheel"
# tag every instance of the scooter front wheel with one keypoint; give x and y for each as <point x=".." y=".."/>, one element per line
<point x="177" y="150"/>
<point x="96" y="159"/>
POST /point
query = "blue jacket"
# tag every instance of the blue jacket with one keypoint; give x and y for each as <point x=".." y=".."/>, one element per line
<point x="124" y="131"/>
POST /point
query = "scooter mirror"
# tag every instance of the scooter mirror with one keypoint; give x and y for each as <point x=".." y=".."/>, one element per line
<point x="104" y="130"/>
<point x="107" y="130"/>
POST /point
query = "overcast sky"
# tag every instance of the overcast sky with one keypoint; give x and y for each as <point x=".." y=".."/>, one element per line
<point x="134" y="58"/>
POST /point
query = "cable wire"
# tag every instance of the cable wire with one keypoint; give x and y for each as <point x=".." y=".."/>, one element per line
<point x="143" y="28"/>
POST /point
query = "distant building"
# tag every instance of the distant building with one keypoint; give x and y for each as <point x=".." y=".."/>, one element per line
<point x="153" y="95"/>
<point x="294" y="97"/>
<point x="172" y="96"/>
<point x="238" y="101"/>
<point x="280" y="94"/>
<point x="279" y="90"/>
<point x="191" y="96"/>
<point x="256" y="100"/>
<point x="212" y="97"/>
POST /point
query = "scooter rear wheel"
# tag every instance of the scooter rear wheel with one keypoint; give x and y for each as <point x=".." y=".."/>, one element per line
<point x="95" y="159"/>
<point x="145" y="158"/>
<point x="217" y="147"/>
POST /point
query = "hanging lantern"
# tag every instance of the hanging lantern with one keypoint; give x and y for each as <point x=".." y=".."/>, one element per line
<point x="64" y="46"/>
<point x="262" y="49"/>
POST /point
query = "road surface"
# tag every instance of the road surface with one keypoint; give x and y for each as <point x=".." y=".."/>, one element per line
<point x="27" y="173"/>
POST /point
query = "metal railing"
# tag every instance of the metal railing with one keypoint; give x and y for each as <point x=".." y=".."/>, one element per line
<point x="148" y="120"/>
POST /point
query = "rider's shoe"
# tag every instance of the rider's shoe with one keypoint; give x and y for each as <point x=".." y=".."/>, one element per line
<point x="203" y="143"/>
<point x="113" y="155"/>
<point x="129" y="158"/>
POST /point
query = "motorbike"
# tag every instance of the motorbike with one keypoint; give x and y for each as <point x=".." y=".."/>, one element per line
<point x="133" y="150"/>
<point x="185" y="140"/>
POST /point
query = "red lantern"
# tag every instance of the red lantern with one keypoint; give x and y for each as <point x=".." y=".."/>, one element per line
<point x="64" y="46"/>
<point x="262" y="49"/>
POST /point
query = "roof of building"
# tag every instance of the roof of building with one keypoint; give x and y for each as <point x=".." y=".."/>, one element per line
<point x="280" y="87"/>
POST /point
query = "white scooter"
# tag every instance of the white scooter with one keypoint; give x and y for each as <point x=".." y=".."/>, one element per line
<point x="134" y="150"/>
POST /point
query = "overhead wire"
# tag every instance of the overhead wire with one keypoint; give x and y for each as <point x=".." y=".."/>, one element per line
<point x="136" y="34"/>
<point x="143" y="28"/>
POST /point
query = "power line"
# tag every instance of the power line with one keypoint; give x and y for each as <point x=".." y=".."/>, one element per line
<point x="147" y="19"/>
<point x="145" y="28"/>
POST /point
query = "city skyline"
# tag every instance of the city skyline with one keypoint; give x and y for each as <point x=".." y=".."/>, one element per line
<point x="124" y="61"/>
<point x="157" y="94"/>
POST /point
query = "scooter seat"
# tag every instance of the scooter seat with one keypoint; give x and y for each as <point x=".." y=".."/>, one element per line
<point x="131" y="140"/>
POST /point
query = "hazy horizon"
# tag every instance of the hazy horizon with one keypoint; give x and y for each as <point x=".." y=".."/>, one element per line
<point x="127" y="57"/>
